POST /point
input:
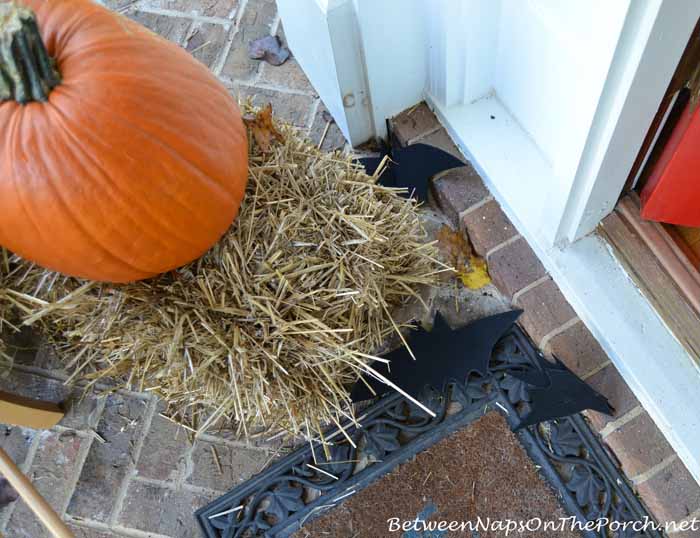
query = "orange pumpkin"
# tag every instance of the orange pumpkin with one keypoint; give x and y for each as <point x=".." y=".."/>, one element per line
<point x="127" y="160"/>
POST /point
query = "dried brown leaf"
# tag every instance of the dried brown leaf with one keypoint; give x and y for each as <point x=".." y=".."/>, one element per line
<point x="263" y="128"/>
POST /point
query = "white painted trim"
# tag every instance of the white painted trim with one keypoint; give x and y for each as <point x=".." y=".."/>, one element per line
<point x="324" y="36"/>
<point x="394" y="40"/>
<point x="657" y="368"/>
<point x="653" y="38"/>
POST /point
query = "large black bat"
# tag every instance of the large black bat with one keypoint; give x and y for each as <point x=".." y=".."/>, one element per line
<point x="411" y="167"/>
<point x="441" y="355"/>
<point x="557" y="392"/>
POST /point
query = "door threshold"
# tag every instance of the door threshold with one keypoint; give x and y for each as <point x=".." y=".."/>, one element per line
<point x="660" y="269"/>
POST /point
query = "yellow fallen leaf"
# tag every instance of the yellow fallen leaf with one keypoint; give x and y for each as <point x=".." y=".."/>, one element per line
<point x="456" y="250"/>
<point x="477" y="275"/>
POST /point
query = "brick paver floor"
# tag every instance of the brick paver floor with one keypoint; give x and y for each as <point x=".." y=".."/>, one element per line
<point x="114" y="466"/>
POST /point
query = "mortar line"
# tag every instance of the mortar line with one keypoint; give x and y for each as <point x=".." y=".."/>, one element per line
<point x="430" y="131"/>
<point x="273" y="87"/>
<point x="135" y="533"/>
<point x="235" y="28"/>
<point x="597" y="369"/>
<point x="264" y="66"/>
<point x="218" y="66"/>
<point x="226" y="49"/>
<point x="312" y="116"/>
<point x="86" y="523"/>
<point x="118" y="529"/>
<point x="503" y="245"/>
<point x="183" y="472"/>
<point x="557" y="331"/>
<point x="256" y="80"/>
<point x="131" y="468"/>
<point x="614" y="425"/>
<point x="172" y="486"/>
<point x="182" y="15"/>
<point x="186" y="472"/>
<point x="25" y="466"/>
<point x="474" y="207"/>
<point x="230" y="442"/>
<point x="529" y="287"/>
<point x="653" y="471"/>
<point x="83" y="454"/>
<point x="202" y="490"/>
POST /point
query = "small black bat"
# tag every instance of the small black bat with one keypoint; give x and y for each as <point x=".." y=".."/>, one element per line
<point x="557" y="392"/>
<point x="411" y="167"/>
<point x="441" y="355"/>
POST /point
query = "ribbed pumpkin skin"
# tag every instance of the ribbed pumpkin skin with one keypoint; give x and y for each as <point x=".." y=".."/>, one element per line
<point x="136" y="165"/>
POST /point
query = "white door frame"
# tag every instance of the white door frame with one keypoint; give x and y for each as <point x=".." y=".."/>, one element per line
<point x="325" y="38"/>
<point x="651" y="44"/>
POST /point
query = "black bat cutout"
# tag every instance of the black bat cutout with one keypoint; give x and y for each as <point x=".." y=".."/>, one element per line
<point x="411" y="167"/>
<point x="441" y="355"/>
<point x="557" y="392"/>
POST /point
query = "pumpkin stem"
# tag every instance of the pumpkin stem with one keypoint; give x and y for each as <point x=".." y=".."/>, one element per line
<point x="27" y="72"/>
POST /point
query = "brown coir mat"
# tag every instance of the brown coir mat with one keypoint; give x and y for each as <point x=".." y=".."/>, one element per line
<point x="480" y="471"/>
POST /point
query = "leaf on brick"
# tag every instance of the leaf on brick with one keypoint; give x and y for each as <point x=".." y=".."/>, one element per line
<point x="456" y="250"/>
<point x="263" y="128"/>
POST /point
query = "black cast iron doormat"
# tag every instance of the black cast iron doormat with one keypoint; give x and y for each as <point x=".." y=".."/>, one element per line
<point x="304" y="484"/>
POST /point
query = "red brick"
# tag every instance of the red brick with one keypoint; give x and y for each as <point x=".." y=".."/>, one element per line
<point x="414" y="122"/>
<point x="457" y="190"/>
<point x="334" y="136"/>
<point x="171" y="28"/>
<point x="487" y="227"/>
<point x="85" y="532"/>
<point x="672" y="494"/>
<point x="441" y="139"/>
<point x="256" y="22"/>
<point x="208" y="8"/>
<point x="290" y="107"/>
<point x="514" y="266"/>
<point x="288" y="75"/>
<point x="545" y="309"/>
<point x="205" y="42"/>
<point x="639" y="445"/>
<point x="690" y="530"/>
<point x="15" y="441"/>
<point x="163" y="453"/>
<point x="237" y="464"/>
<point x="52" y="473"/>
<point x="578" y="349"/>
<point x="108" y="464"/>
<point x="154" y="509"/>
<point x="610" y="384"/>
